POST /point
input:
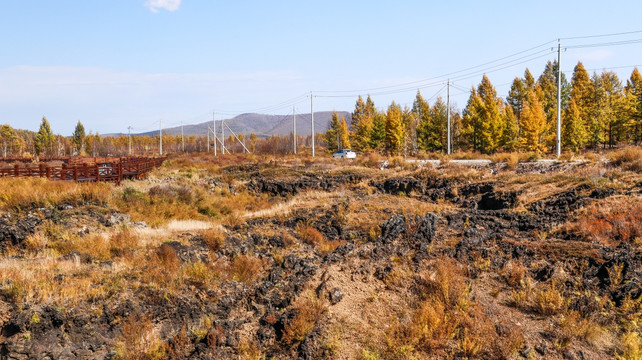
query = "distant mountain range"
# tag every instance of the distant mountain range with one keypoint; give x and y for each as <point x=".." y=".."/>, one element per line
<point x="260" y="124"/>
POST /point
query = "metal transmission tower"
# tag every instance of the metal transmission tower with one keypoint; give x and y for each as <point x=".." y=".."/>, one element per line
<point x="448" y="118"/>
<point x="237" y="138"/>
<point x="223" y="137"/>
<point x="559" y="99"/>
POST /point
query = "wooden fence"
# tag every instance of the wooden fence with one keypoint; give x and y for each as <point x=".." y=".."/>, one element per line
<point x="84" y="169"/>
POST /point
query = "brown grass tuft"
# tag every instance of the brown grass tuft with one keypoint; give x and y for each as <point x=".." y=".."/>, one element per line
<point x="214" y="238"/>
<point x="246" y="268"/>
<point x="308" y="310"/>
<point x="629" y="158"/>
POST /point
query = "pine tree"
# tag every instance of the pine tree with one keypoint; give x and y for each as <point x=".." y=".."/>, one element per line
<point x="615" y="108"/>
<point x="362" y="123"/>
<point x="378" y="130"/>
<point x="516" y="96"/>
<point x="471" y="122"/>
<point x="533" y="123"/>
<point x="394" y="129"/>
<point x="421" y="112"/>
<point x="437" y="137"/>
<point x="573" y="129"/>
<point x="78" y="137"/>
<point x="529" y="80"/>
<point x="331" y="135"/>
<point x="634" y="96"/>
<point x="548" y="98"/>
<point x="44" y="139"/>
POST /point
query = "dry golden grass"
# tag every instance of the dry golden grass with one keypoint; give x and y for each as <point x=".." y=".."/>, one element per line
<point x="246" y="269"/>
<point x="139" y="339"/>
<point x="311" y="236"/>
<point x="629" y="158"/>
<point x="28" y="193"/>
<point x="446" y="322"/>
<point x="630" y="346"/>
<point x="214" y="238"/>
<point x="309" y="309"/>
<point x="513" y="273"/>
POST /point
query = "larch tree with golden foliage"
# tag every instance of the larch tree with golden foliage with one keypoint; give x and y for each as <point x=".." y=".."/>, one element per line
<point x="362" y="125"/>
<point x="483" y="121"/>
<point x="573" y="129"/>
<point x="634" y="96"/>
<point x="533" y="123"/>
<point x="394" y="126"/>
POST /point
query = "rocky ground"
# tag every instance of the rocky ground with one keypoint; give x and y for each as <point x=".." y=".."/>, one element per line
<point x="331" y="261"/>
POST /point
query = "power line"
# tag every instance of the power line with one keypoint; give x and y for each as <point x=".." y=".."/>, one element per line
<point x="440" y="76"/>
<point x="601" y="35"/>
<point x="612" y="43"/>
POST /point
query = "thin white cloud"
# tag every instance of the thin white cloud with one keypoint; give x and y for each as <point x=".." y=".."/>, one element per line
<point x="157" y="5"/>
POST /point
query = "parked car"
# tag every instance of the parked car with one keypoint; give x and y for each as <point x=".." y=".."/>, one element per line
<point x="345" y="153"/>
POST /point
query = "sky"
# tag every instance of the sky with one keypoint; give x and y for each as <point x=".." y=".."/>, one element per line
<point x="112" y="64"/>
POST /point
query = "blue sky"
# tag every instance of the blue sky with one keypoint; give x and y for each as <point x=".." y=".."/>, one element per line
<point x="118" y="63"/>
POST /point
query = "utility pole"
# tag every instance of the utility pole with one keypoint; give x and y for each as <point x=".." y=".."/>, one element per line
<point x="182" y="140"/>
<point x="130" y="140"/>
<point x="223" y="137"/>
<point x="448" y="118"/>
<point x="294" y="129"/>
<point x="559" y="99"/>
<point x="312" y="122"/>
<point x="160" y="133"/>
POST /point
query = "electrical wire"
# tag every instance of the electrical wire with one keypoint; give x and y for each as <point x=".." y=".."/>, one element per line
<point x="612" y="43"/>
<point x="601" y="35"/>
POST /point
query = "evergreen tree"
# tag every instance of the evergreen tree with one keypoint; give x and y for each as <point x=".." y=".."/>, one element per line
<point x="548" y="98"/>
<point x="516" y="96"/>
<point x="436" y="126"/>
<point x="472" y="121"/>
<point x="634" y="96"/>
<point x="614" y="108"/>
<point x="394" y="129"/>
<point x="361" y="124"/>
<point x="378" y="130"/>
<point x="44" y="139"/>
<point x="529" y="80"/>
<point x="593" y="121"/>
<point x="331" y="135"/>
<point x="421" y="112"/>
<point x="78" y="137"/>
<point x="573" y="129"/>
<point x="533" y="123"/>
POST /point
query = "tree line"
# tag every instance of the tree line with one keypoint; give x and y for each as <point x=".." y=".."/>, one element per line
<point x="597" y="110"/>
